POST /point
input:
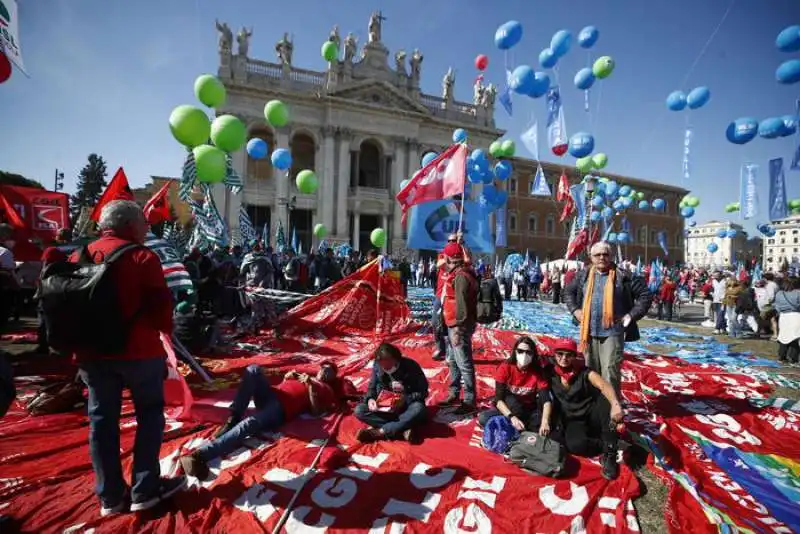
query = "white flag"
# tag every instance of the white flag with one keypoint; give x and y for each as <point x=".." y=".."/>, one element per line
<point x="530" y="138"/>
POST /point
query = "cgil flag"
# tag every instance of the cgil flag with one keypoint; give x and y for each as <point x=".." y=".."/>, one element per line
<point x="118" y="189"/>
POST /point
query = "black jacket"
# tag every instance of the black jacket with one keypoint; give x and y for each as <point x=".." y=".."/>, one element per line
<point x="636" y="298"/>
<point x="408" y="373"/>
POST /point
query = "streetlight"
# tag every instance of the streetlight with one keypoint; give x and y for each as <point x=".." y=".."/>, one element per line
<point x="290" y="204"/>
<point x="59" y="181"/>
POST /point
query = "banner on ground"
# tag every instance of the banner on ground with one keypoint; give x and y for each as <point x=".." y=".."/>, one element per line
<point x="431" y="222"/>
<point x="42" y="212"/>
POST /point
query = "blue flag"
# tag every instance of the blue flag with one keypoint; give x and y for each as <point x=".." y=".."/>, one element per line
<point x="777" y="190"/>
<point x="430" y="223"/>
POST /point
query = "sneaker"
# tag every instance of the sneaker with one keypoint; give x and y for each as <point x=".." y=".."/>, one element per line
<point x="465" y="409"/>
<point x="369" y="435"/>
<point x="194" y="466"/>
<point x="109" y="509"/>
<point x="412" y="436"/>
<point x="229" y="424"/>
<point x="450" y="400"/>
<point x="610" y="465"/>
<point x="169" y="487"/>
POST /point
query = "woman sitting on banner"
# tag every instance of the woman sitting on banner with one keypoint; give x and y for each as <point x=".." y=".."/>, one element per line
<point x="275" y="405"/>
<point x="587" y="410"/>
<point x="522" y="393"/>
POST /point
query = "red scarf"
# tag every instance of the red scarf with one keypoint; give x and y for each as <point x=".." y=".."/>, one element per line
<point x="569" y="373"/>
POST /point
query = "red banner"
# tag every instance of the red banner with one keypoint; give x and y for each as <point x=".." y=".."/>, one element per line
<point x="43" y="213"/>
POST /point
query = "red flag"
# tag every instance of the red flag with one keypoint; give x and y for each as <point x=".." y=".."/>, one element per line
<point x="442" y="177"/>
<point x="569" y="209"/>
<point x="562" y="192"/>
<point x="11" y="214"/>
<point x="156" y="210"/>
<point x="577" y="245"/>
<point x="118" y="189"/>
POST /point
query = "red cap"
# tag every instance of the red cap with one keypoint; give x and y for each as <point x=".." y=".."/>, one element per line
<point x="453" y="250"/>
<point x="565" y="344"/>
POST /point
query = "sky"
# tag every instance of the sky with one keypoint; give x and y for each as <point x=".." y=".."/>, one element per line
<point x="105" y="74"/>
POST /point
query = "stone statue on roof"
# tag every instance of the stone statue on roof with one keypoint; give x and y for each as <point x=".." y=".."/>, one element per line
<point x="350" y="47"/>
<point x="284" y="49"/>
<point x="400" y="62"/>
<point x="243" y="39"/>
<point x="375" y="23"/>
<point x="447" y="84"/>
<point x="225" y="37"/>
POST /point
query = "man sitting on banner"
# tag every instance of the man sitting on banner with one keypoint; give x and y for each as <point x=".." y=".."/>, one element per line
<point x="587" y="408"/>
<point x="275" y="405"/>
<point x="402" y="382"/>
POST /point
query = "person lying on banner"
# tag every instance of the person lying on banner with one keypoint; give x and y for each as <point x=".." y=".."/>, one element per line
<point x="275" y="405"/>
<point x="586" y="408"/>
<point x="394" y="405"/>
<point x="522" y="392"/>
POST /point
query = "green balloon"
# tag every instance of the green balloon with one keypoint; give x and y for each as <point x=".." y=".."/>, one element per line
<point x="639" y="195"/>
<point x="306" y="181"/>
<point x="600" y="160"/>
<point x="189" y="125"/>
<point x="496" y="149"/>
<point x="209" y="90"/>
<point x="211" y="164"/>
<point x="228" y="133"/>
<point x="692" y="202"/>
<point x="603" y="67"/>
<point x="794" y="203"/>
<point x="378" y="237"/>
<point x="584" y="164"/>
<point x="276" y="113"/>
<point x="330" y="51"/>
<point x="509" y="148"/>
<point x="319" y="229"/>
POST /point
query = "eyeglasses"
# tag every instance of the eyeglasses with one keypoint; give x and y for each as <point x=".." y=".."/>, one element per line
<point x="525" y="351"/>
<point x="601" y="255"/>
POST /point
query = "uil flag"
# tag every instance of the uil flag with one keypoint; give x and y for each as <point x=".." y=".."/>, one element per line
<point x="540" y="187"/>
<point x="443" y="177"/>
<point x="118" y="189"/>
<point x="156" y="210"/>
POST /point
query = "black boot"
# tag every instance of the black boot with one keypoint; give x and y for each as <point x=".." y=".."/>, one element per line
<point x="609" y="462"/>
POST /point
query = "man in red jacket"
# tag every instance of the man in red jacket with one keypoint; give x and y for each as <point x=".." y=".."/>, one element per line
<point x="666" y="298"/>
<point x="145" y="302"/>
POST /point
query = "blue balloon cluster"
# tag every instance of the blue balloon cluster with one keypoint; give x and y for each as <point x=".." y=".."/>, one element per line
<point x="525" y="81"/>
<point x="788" y="40"/>
<point x="744" y="130"/>
<point x="767" y="230"/>
<point x="697" y="98"/>
<point x="609" y="198"/>
<point x="479" y="171"/>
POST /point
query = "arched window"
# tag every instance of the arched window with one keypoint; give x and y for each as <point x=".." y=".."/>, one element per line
<point x="533" y="223"/>
<point x="260" y="169"/>
<point x="512" y="222"/>
<point x="369" y="165"/>
<point x="641" y="235"/>
<point x="304" y="152"/>
<point x="550" y="225"/>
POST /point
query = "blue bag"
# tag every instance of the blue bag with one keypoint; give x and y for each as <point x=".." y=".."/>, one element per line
<point x="498" y="434"/>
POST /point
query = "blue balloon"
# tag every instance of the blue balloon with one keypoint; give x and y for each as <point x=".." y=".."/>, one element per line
<point x="676" y="101"/>
<point x="598" y="201"/>
<point x="594" y="216"/>
<point x="722" y="232"/>
<point x="625" y="191"/>
<point x="627" y="202"/>
<point x="712" y="247"/>
<point x="522" y="80"/>
<point x="459" y="135"/>
<point x="588" y="37"/>
<point x="659" y="204"/>
<point x="581" y="145"/>
<point x="501" y="198"/>
<point x="732" y="233"/>
<point x="611" y="237"/>
<point x="623" y="237"/>
<point x="607" y="213"/>
<point x="742" y="130"/>
<point x="503" y="169"/>
<point x="508" y="34"/>
<point x="490" y="191"/>
<point x="644" y="205"/>
<point x="257" y="148"/>
<point x="561" y="42"/>
<point x="487" y="176"/>
<point x="771" y="128"/>
<point x="281" y="159"/>
<point x="789" y="39"/>
<point x="474" y="174"/>
<point x="790" y="123"/>
<point x="478" y="155"/>
<point x="788" y="72"/>
<point x="547" y="59"/>
<point x="698" y="97"/>
<point x="687" y="212"/>
<point x="612" y="188"/>
<point x="541" y="84"/>
<point x="428" y="158"/>
<point x="584" y="79"/>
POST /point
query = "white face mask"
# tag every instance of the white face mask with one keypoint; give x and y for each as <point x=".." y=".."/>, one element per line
<point x="524" y="360"/>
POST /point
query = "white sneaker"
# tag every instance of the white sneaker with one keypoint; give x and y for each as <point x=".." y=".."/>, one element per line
<point x="707" y="323"/>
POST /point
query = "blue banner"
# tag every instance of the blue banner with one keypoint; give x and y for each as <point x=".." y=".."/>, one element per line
<point x="500" y="227"/>
<point x="578" y="192"/>
<point x="749" y="194"/>
<point x="777" y="190"/>
<point x="430" y="223"/>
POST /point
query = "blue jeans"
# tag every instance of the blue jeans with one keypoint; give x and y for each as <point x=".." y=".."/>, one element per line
<point x="439" y="329"/>
<point x="106" y="379"/>
<point x="719" y="315"/>
<point x="393" y="424"/>
<point x="459" y="358"/>
<point x="269" y="415"/>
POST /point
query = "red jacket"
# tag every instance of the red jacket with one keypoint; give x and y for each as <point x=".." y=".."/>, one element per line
<point x="460" y="299"/>
<point x="142" y="292"/>
<point x="667" y="292"/>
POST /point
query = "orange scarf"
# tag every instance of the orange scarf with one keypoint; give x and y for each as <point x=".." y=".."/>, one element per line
<point x="608" y="305"/>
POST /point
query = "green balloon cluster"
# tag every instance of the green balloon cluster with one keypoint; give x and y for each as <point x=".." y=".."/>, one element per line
<point x="502" y="149"/>
<point x="306" y="182"/>
<point x="588" y="163"/>
<point x="276" y="113"/>
<point x="330" y="52"/>
<point x="603" y="67"/>
<point x="378" y="237"/>
<point x="733" y="207"/>
<point x="689" y="202"/>
<point x="209" y="90"/>
<point x="320" y="231"/>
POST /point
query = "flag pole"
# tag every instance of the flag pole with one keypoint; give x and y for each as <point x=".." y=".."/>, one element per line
<point x="463" y="199"/>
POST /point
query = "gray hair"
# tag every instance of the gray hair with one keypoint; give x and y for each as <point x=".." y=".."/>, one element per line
<point x="601" y="246"/>
<point x="119" y="215"/>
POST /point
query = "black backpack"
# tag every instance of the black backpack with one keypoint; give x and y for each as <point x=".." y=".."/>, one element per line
<point x="81" y="305"/>
<point x="487" y="309"/>
<point x="539" y="454"/>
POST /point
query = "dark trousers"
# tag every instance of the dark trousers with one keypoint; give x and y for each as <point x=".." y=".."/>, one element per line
<point x="592" y="434"/>
<point x="439" y="329"/>
<point x="789" y="352"/>
<point x="106" y="379"/>
<point x="719" y="315"/>
<point x="393" y="424"/>
<point x="42" y="329"/>
<point x="664" y="307"/>
<point x="557" y="293"/>
<point x="531" y="416"/>
<point x="522" y="292"/>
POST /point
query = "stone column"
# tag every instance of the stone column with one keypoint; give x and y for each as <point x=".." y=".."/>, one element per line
<point x="356" y="231"/>
<point x="327" y="184"/>
<point x="281" y="188"/>
<point x="343" y="186"/>
<point x="398" y="175"/>
<point x="413" y="157"/>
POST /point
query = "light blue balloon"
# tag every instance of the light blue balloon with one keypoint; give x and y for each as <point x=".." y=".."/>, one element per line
<point x="459" y="135"/>
<point x="588" y="37"/>
<point x="581" y="144"/>
<point x="607" y="213"/>
<point x="644" y="205"/>
<point x="698" y="97"/>
<point x="508" y="35"/>
<point x="712" y="247"/>
<point x="428" y="158"/>
<point x="612" y="188"/>
<point x="742" y="130"/>
<point x="789" y="39"/>
<point x="541" y="84"/>
<point x="594" y="216"/>
<point x="687" y="212"/>
<point x="676" y="101"/>
<point x="611" y="237"/>
<point x="584" y="79"/>
<point x="617" y="205"/>
<point x="623" y="237"/>
<point x="722" y="232"/>
<point x="771" y="128"/>
<point x="732" y="233"/>
<point x="281" y="159"/>
<point x="598" y="201"/>
<point x="625" y="191"/>
<point x="790" y="123"/>
<point x="478" y="155"/>
<point x="503" y="169"/>
<point x="659" y="204"/>
<point x="561" y="42"/>
<point x="257" y="148"/>
<point x="522" y="80"/>
<point x="788" y="72"/>
<point x="627" y="202"/>
<point x="547" y="59"/>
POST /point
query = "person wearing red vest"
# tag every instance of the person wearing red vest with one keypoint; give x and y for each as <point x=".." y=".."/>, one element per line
<point x="459" y="311"/>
